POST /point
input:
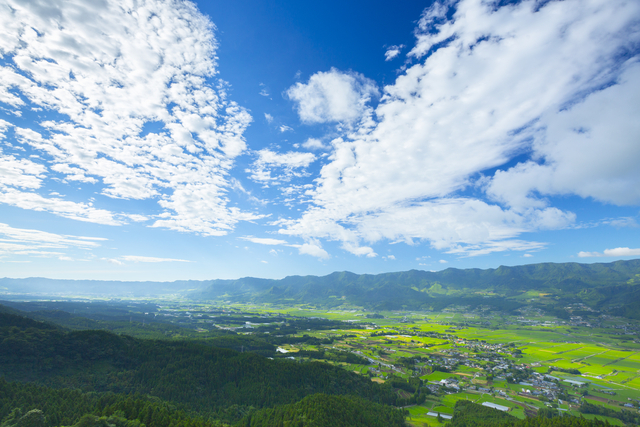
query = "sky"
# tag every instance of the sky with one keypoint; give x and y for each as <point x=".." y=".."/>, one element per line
<point x="168" y="140"/>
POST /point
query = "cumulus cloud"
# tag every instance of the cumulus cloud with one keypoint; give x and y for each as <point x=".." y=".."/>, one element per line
<point x="20" y="173"/>
<point x="128" y="104"/>
<point x="617" y="252"/>
<point x="314" y="144"/>
<point x="332" y="96"/>
<point x="492" y="83"/>
<point x="314" y="249"/>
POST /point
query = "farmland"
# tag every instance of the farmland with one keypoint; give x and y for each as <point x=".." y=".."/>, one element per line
<point x="432" y="359"/>
<point x="519" y="363"/>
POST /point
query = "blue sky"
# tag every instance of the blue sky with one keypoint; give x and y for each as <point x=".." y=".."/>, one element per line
<point x="164" y="140"/>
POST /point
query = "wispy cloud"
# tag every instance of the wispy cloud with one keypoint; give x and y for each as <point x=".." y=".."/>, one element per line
<point x="136" y="258"/>
<point x="626" y="222"/>
<point x="264" y="241"/>
<point x="617" y="252"/>
<point x="312" y="247"/>
<point x="20" y="241"/>
<point x="285" y="166"/>
<point x="392" y="52"/>
<point x="447" y="120"/>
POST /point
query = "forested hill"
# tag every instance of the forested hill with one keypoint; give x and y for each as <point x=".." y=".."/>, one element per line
<point x="613" y="287"/>
<point x="596" y="285"/>
<point x="566" y="276"/>
<point x="212" y="382"/>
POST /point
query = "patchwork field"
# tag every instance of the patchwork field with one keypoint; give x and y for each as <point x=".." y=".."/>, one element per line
<point x="565" y="352"/>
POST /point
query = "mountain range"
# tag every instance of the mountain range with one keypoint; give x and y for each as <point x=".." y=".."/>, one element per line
<point x="610" y="287"/>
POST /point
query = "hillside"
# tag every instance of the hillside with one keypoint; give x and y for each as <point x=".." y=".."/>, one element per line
<point x="210" y="381"/>
<point x="610" y="286"/>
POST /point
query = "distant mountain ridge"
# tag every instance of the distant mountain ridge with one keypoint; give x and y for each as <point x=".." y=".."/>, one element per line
<point x="614" y="285"/>
<point x="52" y="287"/>
<point x="417" y="288"/>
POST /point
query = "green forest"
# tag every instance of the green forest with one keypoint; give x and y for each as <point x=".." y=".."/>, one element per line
<point x="54" y="376"/>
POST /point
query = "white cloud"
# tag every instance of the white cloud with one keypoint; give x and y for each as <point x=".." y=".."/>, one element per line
<point x="527" y="256"/>
<point x="356" y="249"/>
<point x="442" y="261"/>
<point x="313" y="249"/>
<point x="314" y="144"/>
<point x="332" y="96"/>
<point x="499" y="246"/>
<point x="493" y="83"/>
<point x="391" y="257"/>
<point x="21" y="173"/>
<point x="66" y="209"/>
<point x="622" y="222"/>
<point x="285" y="128"/>
<point x="20" y="241"/>
<point x="617" y="252"/>
<point x="100" y="73"/>
<point x="137" y="217"/>
<point x="591" y="149"/>
<point x="265" y="241"/>
<point x="268" y="117"/>
<point x="392" y="52"/>
<point x="287" y="166"/>
<point x="135" y="258"/>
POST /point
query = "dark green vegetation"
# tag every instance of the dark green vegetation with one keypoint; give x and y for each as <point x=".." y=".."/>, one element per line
<point x="613" y="288"/>
<point x="469" y="414"/>
<point x="206" y="382"/>
<point x="547" y="341"/>
<point x="628" y="417"/>
<point x="322" y="410"/>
